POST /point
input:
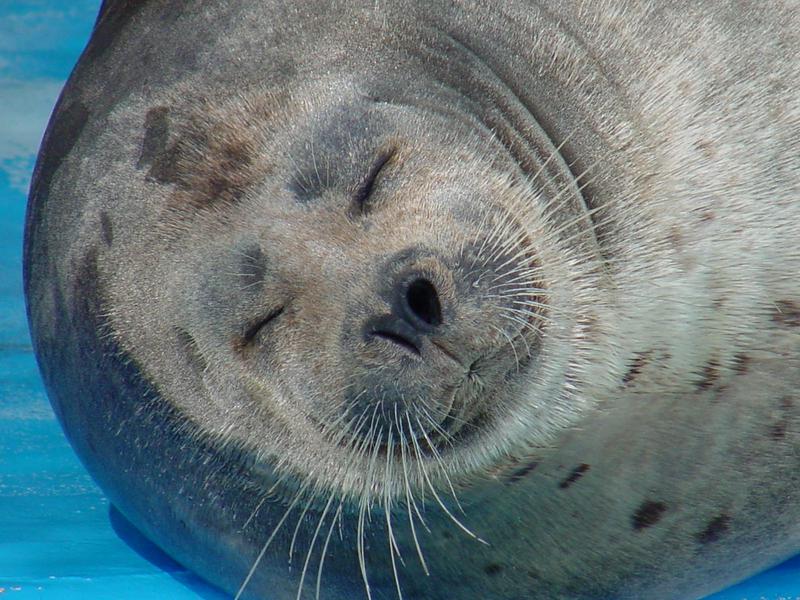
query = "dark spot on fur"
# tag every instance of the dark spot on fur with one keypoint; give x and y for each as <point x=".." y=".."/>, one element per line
<point x="106" y="228"/>
<point x="156" y="136"/>
<point x="212" y="162"/>
<point x="61" y="137"/>
<point x="165" y="167"/>
<point x="675" y="237"/>
<point x="576" y="474"/>
<point x="715" y="529"/>
<point x="787" y="313"/>
<point x="649" y="513"/>
<point x="636" y="366"/>
<point x="493" y="569"/>
<point x="709" y="376"/>
<point x="86" y="273"/>
<point x="87" y="288"/>
<point x="741" y="363"/>
<point x="522" y="471"/>
<point x="226" y="178"/>
<point x="286" y="67"/>
<point x="778" y="430"/>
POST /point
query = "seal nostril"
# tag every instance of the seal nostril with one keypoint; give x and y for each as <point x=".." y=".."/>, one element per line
<point x="423" y="301"/>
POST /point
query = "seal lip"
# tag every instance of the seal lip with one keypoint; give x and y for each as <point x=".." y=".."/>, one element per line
<point x="396" y="331"/>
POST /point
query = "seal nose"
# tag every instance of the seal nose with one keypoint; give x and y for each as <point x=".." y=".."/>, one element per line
<point x="419" y="305"/>
<point x="415" y="312"/>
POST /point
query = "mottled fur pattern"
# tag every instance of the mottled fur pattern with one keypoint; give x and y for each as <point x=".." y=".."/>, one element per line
<point x="604" y="197"/>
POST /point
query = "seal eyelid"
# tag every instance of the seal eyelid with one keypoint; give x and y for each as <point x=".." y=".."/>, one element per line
<point x="252" y="330"/>
<point x="361" y="201"/>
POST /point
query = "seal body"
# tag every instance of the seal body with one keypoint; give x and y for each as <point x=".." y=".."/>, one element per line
<point x="432" y="299"/>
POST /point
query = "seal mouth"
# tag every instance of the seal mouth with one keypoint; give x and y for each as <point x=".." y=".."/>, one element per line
<point x="399" y="334"/>
<point x="416" y="435"/>
<point x="471" y="407"/>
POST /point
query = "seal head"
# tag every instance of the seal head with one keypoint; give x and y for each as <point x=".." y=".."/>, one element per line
<point x="362" y="272"/>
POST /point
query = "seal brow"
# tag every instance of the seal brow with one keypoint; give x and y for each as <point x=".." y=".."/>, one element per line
<point x="364" y="190"/>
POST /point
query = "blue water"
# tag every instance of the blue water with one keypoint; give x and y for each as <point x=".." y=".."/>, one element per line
<point x="58" y="538"/>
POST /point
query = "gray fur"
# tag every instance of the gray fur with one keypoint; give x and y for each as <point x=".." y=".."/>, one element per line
<point x="645" y="448"/>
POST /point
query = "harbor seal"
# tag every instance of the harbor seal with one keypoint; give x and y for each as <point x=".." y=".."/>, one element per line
<point x="432" y="299"/>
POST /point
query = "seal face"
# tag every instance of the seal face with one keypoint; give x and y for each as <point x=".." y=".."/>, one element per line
<point x="430" y="300"/>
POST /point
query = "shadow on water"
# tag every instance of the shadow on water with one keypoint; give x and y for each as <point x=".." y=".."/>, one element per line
<point x="137" y="542"/>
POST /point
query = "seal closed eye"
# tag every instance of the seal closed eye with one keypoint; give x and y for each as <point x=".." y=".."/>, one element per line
<point x="362" y="199"/>
<point x="254" y="329"/>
